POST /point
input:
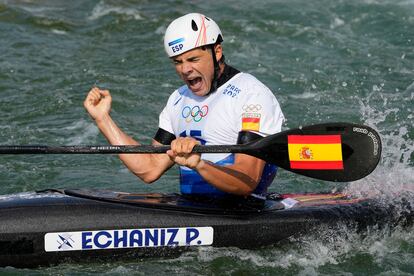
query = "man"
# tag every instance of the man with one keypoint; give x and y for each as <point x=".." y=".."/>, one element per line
<point x="217" y="105"/>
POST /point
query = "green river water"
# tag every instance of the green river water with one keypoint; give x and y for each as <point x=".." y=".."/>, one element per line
<point x="326" y="61"/>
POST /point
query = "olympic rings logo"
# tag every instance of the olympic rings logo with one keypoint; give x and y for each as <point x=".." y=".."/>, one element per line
<point x="251" y="107"/>
<point x="195" y="113"/>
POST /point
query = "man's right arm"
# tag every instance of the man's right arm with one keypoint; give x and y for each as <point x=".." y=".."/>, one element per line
<point x="148" y="167"/>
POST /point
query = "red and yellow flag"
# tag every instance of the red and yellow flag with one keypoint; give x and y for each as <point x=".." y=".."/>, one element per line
<point x="251" y="123"/>
<point x="315" y="152"/>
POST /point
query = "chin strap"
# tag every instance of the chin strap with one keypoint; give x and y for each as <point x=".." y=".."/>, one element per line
<point x="216" y="65"/>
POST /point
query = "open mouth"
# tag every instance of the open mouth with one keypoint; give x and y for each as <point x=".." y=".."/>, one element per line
<point x="195" y="83"/>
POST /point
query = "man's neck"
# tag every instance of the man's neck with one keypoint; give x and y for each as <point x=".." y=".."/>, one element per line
<point x="226" y="73"/>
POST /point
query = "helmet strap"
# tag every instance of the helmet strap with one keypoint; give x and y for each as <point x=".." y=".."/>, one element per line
<point x="216" y="65"/>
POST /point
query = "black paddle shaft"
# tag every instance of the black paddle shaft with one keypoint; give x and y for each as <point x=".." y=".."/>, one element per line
<point x="361" y="150"/>
<point x="111" y="149"/>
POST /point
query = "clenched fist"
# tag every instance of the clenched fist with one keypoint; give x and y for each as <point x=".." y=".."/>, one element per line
<point x="98" y="103"/>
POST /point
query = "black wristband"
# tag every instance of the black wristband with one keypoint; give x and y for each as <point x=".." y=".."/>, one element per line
<point x="164" y="137"/>
<point x="246" y="137"/>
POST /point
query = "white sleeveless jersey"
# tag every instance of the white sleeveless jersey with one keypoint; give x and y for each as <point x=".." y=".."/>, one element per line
<point x="242" y="103"/>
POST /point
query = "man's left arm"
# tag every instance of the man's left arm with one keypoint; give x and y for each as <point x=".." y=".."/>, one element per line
<point x="240" y="178"/>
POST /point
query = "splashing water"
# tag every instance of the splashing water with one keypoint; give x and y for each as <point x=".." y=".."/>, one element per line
<point x="395" y="172"/>
<point x="325" y="60"/>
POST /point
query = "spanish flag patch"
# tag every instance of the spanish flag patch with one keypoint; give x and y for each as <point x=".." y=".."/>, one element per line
<point x="315" y="152"/>
<point x="251" y="121"/>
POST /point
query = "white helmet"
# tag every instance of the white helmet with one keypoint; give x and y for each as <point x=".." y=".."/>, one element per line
<point x="190" y="31"/>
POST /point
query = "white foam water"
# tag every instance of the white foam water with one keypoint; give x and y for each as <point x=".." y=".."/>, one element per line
<point x="394" y="173"/>
<point x="102" y="9"/>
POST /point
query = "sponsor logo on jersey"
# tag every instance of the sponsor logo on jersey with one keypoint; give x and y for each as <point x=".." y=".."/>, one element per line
<point x="195" y="113"/>
<point x="251" y="117"/>
<point x="128" y="238"/>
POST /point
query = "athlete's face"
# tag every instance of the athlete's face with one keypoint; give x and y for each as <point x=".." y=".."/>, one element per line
<point x="196" y="68"/>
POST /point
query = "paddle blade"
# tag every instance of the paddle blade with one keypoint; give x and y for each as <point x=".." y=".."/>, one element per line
<point x="333" y="151"/>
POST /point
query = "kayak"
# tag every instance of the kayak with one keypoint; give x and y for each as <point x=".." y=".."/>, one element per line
<point x="58" y="226"/>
